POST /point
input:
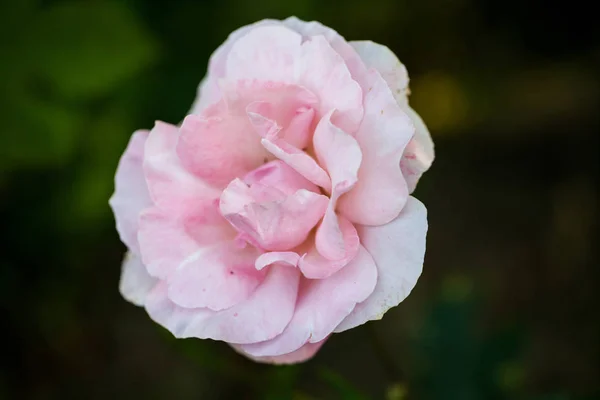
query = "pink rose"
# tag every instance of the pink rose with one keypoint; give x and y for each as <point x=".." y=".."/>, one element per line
<point x="278" y="212"/>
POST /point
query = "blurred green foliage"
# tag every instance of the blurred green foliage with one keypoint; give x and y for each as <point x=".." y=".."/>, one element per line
<point x="506" y="304"/>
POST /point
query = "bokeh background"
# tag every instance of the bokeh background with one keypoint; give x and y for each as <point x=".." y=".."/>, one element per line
<point x="507" y="306"/>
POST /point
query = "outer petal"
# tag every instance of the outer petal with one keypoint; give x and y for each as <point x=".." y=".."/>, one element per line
<point x="167" y="240"/>
<point x="135" y="283"/>
<point x="386" y="63"/>
<point x="219" y="149"/>
<point x="171" y="186"/>
<point x="208" y="91"/>
<point x="381" y="191"/>
<point x="215" y="277"/>
<point x="336" y="41"/>
<point x="257" y="319"/>
<point x="265" y="53"/>
<point x="131" y="192"/>
<point x="304" y="353"/>
<point x="398" y="249"/>
<point x="322" y="305"/>
<point x="419" y="153"/>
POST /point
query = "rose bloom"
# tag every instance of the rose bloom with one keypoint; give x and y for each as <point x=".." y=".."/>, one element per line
<point x="278" y="212"/>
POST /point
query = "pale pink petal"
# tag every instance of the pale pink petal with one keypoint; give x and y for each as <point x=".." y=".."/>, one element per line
<point x="336" y="41"/>
<point x="298" y="132"/>
<point x="219" y="149"/>
<point x="299" y="161"/>
<point x="208" y="90"/>
<point x="295" y="129"/>
<point x="398" y="249"/>
<point x="265" y="53"/>
<point x="289" y="258"/>
<point x="131" y="192"/>
<point x="208" y="93"/>
<point x="215" y="277"/>
<point x="272" y="221"/>
<point x="172" y="187"/>
<point x="167" y="240"/>
<point x="341" y="156"/>
<point x="265" y="127"/>
<point x="322" y="305"/>
<point x="324" y="72"/>
<point x="273" y="107"/>
<point x="315" y="266"/>
<point x="381" y="191"/>
<point x="386" y="63"/>
<point x="279" y="175"/>
<point x="135" y="283"/>
<point x="419" y="153"/>
<point x="282" y="99"/>
<point x="303" y="354"/>
<point x="257" y="319"/>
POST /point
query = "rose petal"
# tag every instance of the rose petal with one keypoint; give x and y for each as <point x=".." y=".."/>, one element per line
<point x="341" y="155"/>
<point x="131" y="192"/>
<point x="324" y="72"/>
<point x="315" y="266"/>
<point x="381" y="190"/>
<point x="257" y="319"/>
<point x="386" y="63"/>
<point x="312" y="321"/>
<point x="278" y="174"/>
<point x="219" y="149"/>
<point x="289" y="258"/>
<point x="167" y="240"/>
<point x="215" y="277"/>
<point x="279" y="223"/>
<point x="171" y="186"/>
<point x="304" y="353"/>
<point x="419" y="153"/>
<point x="135" y="283"/>
<point x="208" y="90"/>
<point x="264" y="53"/>
<point x="299" y="161"/>
<point x="398" y="249"/>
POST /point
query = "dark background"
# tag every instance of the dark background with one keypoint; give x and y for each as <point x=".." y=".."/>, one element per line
<point x="507" y="306"/>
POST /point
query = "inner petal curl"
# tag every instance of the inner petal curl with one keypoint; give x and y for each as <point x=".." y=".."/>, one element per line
<point x="275" y="208"/>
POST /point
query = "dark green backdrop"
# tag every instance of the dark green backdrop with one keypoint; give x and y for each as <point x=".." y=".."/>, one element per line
<point x="507" y="305"/>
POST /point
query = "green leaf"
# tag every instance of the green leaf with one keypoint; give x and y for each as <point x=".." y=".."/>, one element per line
<point x="36" y="132"/>
<point x="86" y="49"/>
<point x="345" y="389"/>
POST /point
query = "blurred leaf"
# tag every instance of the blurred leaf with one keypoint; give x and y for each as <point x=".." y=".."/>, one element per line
<point x="86" y="49"/>
<point x="281" y="381"/>
<point x="92" y="182"/>
<point x="396" y="392"/>
<point x="12" y="15"/>
<point x="510" y="375"/>
<point x="441" y="100"/>
<point x="36" y="132"/>
<point x="345" y="389"/>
